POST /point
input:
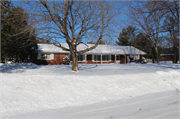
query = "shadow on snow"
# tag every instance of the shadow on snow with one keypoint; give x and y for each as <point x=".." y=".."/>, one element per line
<point x="17" y="68"/>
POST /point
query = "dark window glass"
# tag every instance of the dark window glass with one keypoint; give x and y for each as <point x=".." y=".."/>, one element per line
<point x="117" y="57"/>
<point x="104" y="57"/>
<point x="43" y="56"/>
<point x="108" y="58"/>
<point x="80" y="58"/>
<point x="97" y="57"/>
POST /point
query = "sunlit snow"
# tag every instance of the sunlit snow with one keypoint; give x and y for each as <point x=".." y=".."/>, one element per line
<point x="96" y="91"/>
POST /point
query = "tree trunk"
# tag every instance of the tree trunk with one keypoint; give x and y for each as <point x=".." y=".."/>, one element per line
<point x="75" y="62"/>
<point x="175" y="49"/>
<point x="157" y="54"/>
<point x="157" y="57"/>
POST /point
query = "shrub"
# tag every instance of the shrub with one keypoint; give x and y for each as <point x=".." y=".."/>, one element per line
<point x="66" y="60"/>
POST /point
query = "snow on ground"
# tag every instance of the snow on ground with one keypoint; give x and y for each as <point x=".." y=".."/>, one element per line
<point x="96" y="91"/>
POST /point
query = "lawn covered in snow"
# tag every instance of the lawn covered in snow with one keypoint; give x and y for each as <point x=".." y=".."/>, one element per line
<point x="96" y="91"/>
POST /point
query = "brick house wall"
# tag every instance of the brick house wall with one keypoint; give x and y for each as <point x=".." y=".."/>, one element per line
<point x="58" y="59"/>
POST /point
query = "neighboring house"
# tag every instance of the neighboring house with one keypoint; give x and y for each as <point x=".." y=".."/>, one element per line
<point x="167" y="54"/>
<point x="166" y="57"/>
<point x="51" y="54"/>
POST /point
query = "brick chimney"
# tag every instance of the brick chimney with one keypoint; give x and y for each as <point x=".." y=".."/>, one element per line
<point x="90" y="42"/>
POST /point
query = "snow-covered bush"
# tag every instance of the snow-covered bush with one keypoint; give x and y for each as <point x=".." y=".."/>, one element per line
<point x="66" y="60"/>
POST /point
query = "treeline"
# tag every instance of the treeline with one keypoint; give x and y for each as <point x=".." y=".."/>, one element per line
<point x="18" y="39"/>
<point x="155" y="26"/>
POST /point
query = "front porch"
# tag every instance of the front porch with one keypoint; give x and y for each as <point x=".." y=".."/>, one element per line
<point x="103" y="59"/>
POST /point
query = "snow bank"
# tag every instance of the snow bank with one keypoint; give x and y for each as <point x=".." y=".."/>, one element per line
<point x="1" y="64"/>
<point x="28" y="87"/>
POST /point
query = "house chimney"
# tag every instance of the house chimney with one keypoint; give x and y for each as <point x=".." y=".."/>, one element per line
<point x="90" y="42"/>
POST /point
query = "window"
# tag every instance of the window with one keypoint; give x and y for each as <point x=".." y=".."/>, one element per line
<point x="104" y="58"/>
<point x="43" y="56"/>
<point x="117" y="57"/>
<point x="97" y="57"/>
<point x="135" y="57"/>
<point x="47" y="56"/>
<point x="81" y="58"/>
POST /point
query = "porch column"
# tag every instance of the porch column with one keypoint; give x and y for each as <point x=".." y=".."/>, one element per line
<point x="115" y="58"/>
<point x="85" y="59"/>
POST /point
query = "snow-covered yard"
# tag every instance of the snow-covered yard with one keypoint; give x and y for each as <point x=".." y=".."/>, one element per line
<point x="103" y="91"/>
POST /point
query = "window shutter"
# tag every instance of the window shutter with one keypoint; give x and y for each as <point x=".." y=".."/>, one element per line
<point x="51" y="56"/>
<point x="39" y="56"/>
<point x="92" y="57"/>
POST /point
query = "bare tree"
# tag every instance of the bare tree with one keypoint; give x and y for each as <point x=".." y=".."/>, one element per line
<point x="150" y="16"/>
<point x="149" y="22"/>
<point x="73" y="21"/>
<point x="171" y="25"/>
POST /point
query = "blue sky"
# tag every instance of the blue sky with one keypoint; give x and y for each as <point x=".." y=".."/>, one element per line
<point x="122" y="19"/>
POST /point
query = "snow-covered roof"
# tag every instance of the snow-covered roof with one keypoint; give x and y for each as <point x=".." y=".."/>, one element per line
<point x="132" y="50"/>
<point x="50" y="48"/>
<point x="100" y="49"/>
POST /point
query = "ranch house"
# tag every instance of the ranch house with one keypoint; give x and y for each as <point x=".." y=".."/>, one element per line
<point x="52" y="55"/>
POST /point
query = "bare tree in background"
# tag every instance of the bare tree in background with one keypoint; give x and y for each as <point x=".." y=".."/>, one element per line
<point x="149" y="21"/>
<point x="156" y="18"/>
<point x="171" y="25"/>
<point x="72" y="20"/>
